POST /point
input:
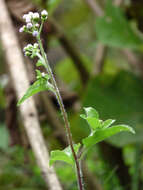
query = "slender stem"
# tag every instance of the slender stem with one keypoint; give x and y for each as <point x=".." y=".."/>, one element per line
<point x="64" y="114"/>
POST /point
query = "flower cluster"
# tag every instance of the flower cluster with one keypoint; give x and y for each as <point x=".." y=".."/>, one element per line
<point x="32" y="22"/>
<point x="31" y="50"/>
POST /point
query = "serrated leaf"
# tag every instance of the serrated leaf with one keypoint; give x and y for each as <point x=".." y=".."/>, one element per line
<point x="107" y="123"/>
<point x="115" y="30"/>
<point x="64" y="155"/>
<point x="102" y="134"/>
<point x="41" y="84"/>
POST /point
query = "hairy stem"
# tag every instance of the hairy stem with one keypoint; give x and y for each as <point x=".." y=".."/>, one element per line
<point x="64" y="114"/>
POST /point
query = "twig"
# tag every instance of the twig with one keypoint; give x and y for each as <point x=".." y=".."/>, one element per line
<point x="133" y="60"/>
<point x="99" y="58"/>
<point x="64" y="114"/>
<point x="28" y="111"/>
<point x="101" y="49"/>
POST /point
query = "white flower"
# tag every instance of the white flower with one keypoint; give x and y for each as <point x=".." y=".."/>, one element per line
<point x="28" y="18"/>
<point x="44" y="13"/>
<point x="29" y="25"/>
<point x="35" y="33"/>
<point x="30" y="14"/>
<point x="43" y="74"/>
<point x="29" y="45"/>
<point x="35" y="15"/>
<point x="24" y="16"/>
<point x="35" y="45"/>
<point x="37" y="25"/>
<point x="21" y="29"/>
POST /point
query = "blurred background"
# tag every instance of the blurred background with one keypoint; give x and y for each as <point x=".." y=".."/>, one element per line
<point x="95" y="48"/>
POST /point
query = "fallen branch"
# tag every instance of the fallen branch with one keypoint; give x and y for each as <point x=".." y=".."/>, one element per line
<point x="28" y="111"/>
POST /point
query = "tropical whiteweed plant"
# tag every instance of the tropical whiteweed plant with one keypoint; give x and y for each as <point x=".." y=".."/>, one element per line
<point x="100" y="130"/>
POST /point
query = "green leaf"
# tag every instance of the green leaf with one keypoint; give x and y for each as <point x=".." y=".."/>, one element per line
<point x="118" y="96"/>
<point x="94" y="122"/>
<point x="114" y="29"/>
<point x="92" y="117"/>
<point x="91" y="112"/>
<point x="64" y="155"/>
<point x="39" y="63"/>
<point x="39" y="74"/>
<point x="102" y="134"/>
<point x="107" y="123"/>
<point x="41" y="84"/>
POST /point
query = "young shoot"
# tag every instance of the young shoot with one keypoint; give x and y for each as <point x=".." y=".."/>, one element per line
<point x="100" y="130"/>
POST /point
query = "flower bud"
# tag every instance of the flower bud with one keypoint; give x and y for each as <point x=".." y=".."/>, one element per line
<point x="35" y="45"/>
<point x="29" y="25"/>
<point x="27" y="53"/>
<point x="44" y="13"/>
<point x="35" y="33"/>
<point x="21" y="29"/>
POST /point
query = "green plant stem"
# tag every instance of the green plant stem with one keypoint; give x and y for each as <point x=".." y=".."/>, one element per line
<point x="64" y="114"/>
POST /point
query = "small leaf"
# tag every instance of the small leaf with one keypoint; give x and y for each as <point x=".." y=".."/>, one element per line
<point x="39" y="74"/>
<point x="39" y="63"/>
<point x="91" y="112"/>
<point x="94" y="122"/>
<point x="107" y="123"/>
<point x="64" y="155"/>
<point x="102" y="134"/>
<point x="92" y="117"/>
<point x="61" y="156"/>
<point x="40" y="85"/>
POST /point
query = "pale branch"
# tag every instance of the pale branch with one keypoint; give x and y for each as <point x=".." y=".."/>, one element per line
<point x="97" y="10"/>
<point x="19" y="77"/>
<point x="100" y="55"/>
<point x="133" y="60"/>
<point x="118" y="2"/>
